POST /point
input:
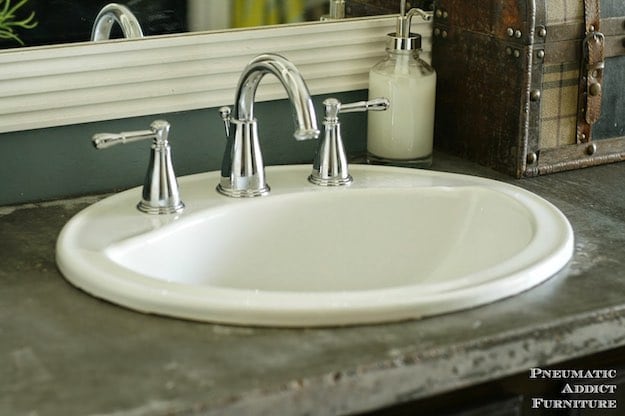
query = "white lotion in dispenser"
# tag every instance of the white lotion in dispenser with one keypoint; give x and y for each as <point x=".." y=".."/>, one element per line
<point x="402" y="135"/>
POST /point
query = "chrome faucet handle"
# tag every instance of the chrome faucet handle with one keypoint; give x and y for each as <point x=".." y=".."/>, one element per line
<point x="330" y="167"/>
<point x="377" y="104"/>
<point x="160" y="194"/>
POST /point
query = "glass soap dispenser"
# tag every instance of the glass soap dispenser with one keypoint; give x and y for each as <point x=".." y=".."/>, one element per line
<point x="402" y="135"/>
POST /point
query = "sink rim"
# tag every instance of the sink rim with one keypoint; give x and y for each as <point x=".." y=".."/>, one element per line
<point x="146" y="294"/>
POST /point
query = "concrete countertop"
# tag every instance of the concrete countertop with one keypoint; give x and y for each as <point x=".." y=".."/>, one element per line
<point x="64" y="352"/>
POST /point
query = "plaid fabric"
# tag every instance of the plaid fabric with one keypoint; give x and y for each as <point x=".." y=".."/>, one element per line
<point x="560" y="11"/>
<point x="559" y="105"/>
<point x="558" y="124"/>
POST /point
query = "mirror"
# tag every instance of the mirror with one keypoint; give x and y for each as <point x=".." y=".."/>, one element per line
<point x="27" y="23"/>
<point x="46" y="22"/>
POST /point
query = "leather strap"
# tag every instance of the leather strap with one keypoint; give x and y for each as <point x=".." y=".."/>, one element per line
<point x="591" y="78"/>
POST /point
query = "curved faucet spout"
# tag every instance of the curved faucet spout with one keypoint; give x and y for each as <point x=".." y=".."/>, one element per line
<point x="242" y="169"/>
<point x="292" y="81"/>
<point x="110" y="14"/>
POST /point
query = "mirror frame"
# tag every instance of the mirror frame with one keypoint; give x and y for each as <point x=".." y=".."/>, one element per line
<point x="62" y="85"/>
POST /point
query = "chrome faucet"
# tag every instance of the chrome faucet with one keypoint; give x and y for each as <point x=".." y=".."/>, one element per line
<point x="161" y="194"/>
<point x="110" y="14"/>
<point x="242" y="170"/>
<point x="330" y="166"/>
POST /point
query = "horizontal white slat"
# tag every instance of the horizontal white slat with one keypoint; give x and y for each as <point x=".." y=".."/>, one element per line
<point x="52" y="86"/>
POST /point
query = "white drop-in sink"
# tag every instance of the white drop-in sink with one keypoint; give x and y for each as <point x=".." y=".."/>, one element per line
<point x="396" y="244"/>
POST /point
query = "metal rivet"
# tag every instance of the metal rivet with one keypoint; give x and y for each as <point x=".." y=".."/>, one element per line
<point x="532" y="158"/>
<point x="517" y="53"/>
<point x="445" y="14"/>
<point x="437" y="32"/>
<point x="508" y="51"/>
<point x="439" y="13"/>
<point x="540" y="54"/>
<point x="510" y="32"/>
<point x="591" y="149"/>
<point x="535" y="95"/>
<point x="517" y="34"/>
<point x="444" y="34"/>
<point x="542" y="32"/>
<point x="595" y="89"/>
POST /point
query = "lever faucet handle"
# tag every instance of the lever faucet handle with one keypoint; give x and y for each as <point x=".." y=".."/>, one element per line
<point x="376" y="104"/>
<point x="160" y="193"/>
<point x="105" y="140"/>
<point x="159" y="131"/>
<point x="330" y="167"/>
<point x="333" y="107"/>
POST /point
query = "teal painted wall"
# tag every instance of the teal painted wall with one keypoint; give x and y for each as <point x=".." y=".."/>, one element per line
<point x="60" y="162"/>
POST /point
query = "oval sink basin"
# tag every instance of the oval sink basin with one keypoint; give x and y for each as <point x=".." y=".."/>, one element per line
<point x="396" y="244"/>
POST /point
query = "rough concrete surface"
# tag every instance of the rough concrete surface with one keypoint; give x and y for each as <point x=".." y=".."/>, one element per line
<point x="64" y="352"/>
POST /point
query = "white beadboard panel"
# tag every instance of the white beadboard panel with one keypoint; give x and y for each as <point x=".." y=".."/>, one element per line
<point x="70" y="84"/>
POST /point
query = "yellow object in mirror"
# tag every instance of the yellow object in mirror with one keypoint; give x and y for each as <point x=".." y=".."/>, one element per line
<point x="248" y="13"/>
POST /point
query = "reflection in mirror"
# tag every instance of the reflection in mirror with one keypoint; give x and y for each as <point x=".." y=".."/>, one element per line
<point x="359" y="8"/>
<point x="63" y="21"/>
<point x="115" y="13"/>
<point x="11" y="24"/>
<point x="50" y="22"/>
